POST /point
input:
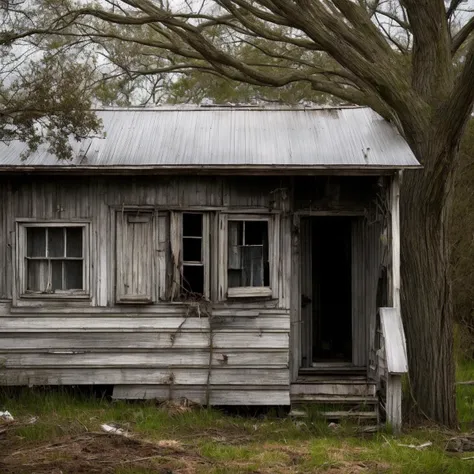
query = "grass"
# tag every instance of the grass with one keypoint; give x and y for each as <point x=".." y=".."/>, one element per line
<point x="465" y="394"/>
<point x="65" y="436"/>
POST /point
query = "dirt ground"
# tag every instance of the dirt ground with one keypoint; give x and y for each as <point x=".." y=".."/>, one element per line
<point x="93" y="453"/>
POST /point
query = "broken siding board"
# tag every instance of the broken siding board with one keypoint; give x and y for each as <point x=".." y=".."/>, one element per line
<point x="175" y="267"/>
<point x="117" y="376"/>
<point x="217" y="396"/>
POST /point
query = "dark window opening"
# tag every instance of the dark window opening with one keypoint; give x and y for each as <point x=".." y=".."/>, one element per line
<point x="193" y="262"/>
<point x="248" y="264"/>
<point x="192" y="225"/>
<point x="54" y="259"/>
<point x="193" y="280"/>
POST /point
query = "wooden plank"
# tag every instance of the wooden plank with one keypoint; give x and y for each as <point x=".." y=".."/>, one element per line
<point x="146" y="376"/>
<point x="395" y="344"/>
<point x="143" y="324"/>
<point x="162" y="248"/>
<point x="274" y="255"/>
<point x="395" y="239"/>
<point x="142" y="341"/>
<point x="223" y="257"/>
<point x="306" y="279"/>
<point x="340" y="389"/>
<point x="394" y="402"/>
<point x="175" y="269"/>
<point x="217" y="396"/>
<point x="135" y="257"/>
<point x="295" y="301"/>
<point x="249" y="292"/>
<point x="160" y="308"/>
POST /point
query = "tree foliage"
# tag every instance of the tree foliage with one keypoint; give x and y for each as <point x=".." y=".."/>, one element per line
<point x="45" y="92"/>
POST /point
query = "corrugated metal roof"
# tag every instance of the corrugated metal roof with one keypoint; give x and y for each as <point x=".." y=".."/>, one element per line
<point x="183" y="137"/>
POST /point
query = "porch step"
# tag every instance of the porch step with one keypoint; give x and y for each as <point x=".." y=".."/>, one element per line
<point x="333" y="387"/>
<point x="338" y="415"/>
<point x="333" y="400"/>
<point x="335" y="397"/>
<point x="344" y="370"/>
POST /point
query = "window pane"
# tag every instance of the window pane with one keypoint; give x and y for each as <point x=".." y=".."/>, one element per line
<point x="37" y="275"/>
<point x="57" y="275"/>
<point x="248" y="254"/>
<point x="73" y="274"/>
<point x="192" y="225"/>
<point x="252" y="266"/>
<point x="192" y="250"/>
<point x="55" y="242"/>
<point x="74" y="242"/>
<point x="193" y="280"/>
<point x="256" y="232"/>
<point x="235" y="241"/>
<point x="36" y="242"/>
<point x="234" y="278"/>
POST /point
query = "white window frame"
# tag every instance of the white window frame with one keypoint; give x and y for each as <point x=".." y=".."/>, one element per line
<point x="21" y="245"/>
<point x="270" y="291"/>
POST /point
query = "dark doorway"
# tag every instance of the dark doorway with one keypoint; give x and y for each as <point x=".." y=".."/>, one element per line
<point x="331" y="287"/>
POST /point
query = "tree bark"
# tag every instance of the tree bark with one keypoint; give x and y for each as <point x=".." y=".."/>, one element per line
<point x="426" y="202"/>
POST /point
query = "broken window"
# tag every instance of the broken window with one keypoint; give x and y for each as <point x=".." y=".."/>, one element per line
<point x="53" y="259"/>
<point x="248" y="266"/>
<point x="193" y="274"/>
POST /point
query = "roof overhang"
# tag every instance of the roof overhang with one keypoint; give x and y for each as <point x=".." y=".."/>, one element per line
<point x="244" y="170"/>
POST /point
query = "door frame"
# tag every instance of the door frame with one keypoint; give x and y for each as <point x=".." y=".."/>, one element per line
<point x="296" y="285"/>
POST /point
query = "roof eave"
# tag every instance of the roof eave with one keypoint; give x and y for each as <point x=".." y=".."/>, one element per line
<point x="209" y="169"/>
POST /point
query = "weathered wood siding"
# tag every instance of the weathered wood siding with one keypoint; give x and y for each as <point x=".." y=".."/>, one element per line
<point x="367" y="249"/>
<point x="237" y="355"/>
<point x="240" y="354"/>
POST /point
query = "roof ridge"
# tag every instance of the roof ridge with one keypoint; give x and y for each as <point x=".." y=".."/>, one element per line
<point x="238" y="107"/>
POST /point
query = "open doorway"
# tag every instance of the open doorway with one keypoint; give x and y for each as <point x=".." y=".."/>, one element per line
<point x="326" y="287"/>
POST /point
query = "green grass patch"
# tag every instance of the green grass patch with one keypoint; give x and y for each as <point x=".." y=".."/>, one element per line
<point x="465" y="395"/>
<point x="60" y="429"/>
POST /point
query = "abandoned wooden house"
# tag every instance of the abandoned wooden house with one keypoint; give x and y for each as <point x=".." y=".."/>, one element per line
<point x="232" y="256"/>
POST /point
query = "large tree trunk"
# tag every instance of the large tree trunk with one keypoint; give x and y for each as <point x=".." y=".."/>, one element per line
<point x="426" y="289"/>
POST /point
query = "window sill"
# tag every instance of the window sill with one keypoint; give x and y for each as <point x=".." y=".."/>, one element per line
<point x="55" y="296"/>
<point x="135" y="300"/>
<point x="249" y="292"/>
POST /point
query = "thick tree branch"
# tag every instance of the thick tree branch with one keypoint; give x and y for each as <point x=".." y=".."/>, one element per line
<point x="460" y="103"/>
<point x="463" y="34"/>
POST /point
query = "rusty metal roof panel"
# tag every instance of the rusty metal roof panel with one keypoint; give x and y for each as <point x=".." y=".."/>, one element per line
<point x="187" y="137"/>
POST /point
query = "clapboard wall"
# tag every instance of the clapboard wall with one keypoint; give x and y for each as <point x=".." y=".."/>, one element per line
<point x="238" y="353"/>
